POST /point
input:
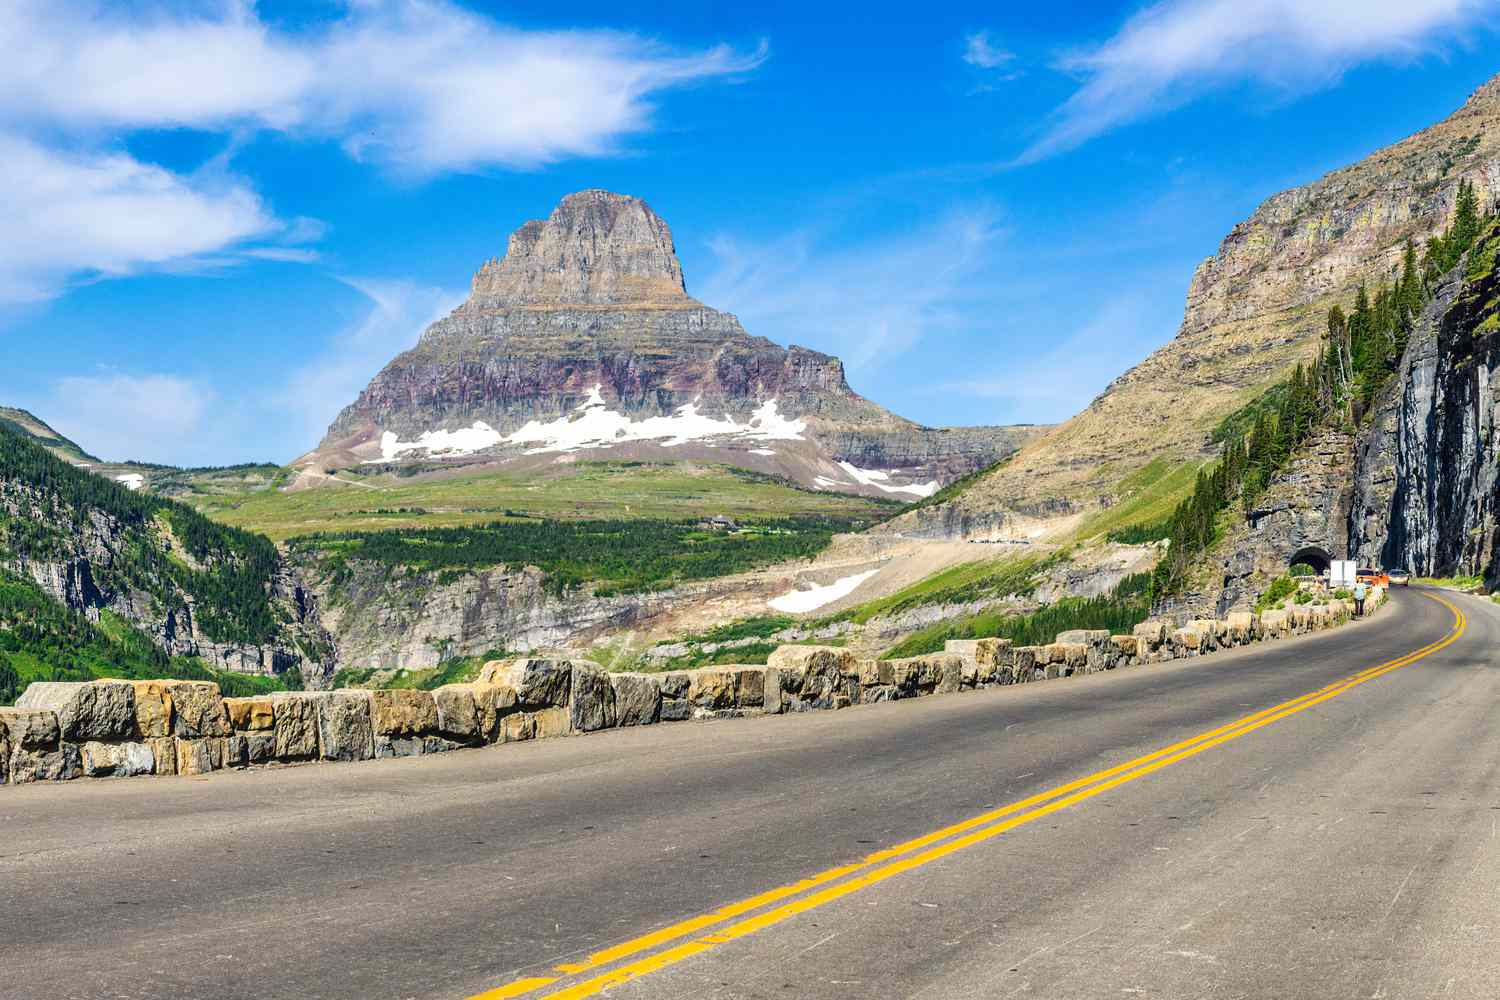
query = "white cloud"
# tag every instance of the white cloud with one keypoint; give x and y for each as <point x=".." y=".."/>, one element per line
<point x="980" y="51"/>
<point x="864" y="302"/>
<point x="1175" y="50"/>
<point x="121" y="417"/>
<point x="422" y="85"/>
<point x="105" y="214"/>
<point x="398" y="312"/>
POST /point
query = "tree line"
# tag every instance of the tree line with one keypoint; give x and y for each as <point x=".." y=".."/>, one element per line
<point x="1360" y="352"/>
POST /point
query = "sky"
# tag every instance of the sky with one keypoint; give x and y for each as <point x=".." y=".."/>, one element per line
<point x="219" y="219"/>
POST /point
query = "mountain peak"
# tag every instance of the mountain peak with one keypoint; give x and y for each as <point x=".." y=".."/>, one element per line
<point x="1485" y="99"/>
<point x="596" y="248"/>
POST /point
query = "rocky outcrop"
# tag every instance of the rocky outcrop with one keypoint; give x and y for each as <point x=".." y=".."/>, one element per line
<point x="583" y="339"/>
<point x="1253" y="310"/>
<point x="89" y="562"/>
<point x="1425" y="494"/>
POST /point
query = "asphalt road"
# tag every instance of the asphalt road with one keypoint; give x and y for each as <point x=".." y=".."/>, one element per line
<point x="1344" y="846"/>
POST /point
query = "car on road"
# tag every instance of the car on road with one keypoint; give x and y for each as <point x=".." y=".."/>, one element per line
<point x="1399" y="577"/>
<point x="1372" y="577"/>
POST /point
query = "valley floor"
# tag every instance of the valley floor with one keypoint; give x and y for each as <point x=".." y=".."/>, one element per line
<point x="1346" y="849"/>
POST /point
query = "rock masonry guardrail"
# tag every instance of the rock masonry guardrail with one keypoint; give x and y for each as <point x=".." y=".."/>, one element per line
<point x="112" y="728"/>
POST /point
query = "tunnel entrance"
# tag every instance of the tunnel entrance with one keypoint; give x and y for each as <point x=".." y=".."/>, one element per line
<point x="1317" y="558"/>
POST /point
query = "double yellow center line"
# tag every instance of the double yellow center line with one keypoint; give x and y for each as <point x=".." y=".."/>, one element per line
<point x="835" y="883"/>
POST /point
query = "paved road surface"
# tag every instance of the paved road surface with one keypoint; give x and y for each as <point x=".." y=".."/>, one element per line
<point x="1347" y="846"/>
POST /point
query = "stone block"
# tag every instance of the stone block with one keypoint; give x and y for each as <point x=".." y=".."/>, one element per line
<point x="457" y="712"/>
<point x="1087" y="636"/>
<point x="1243" y="626"/>
<point x="153" y="709"/>
<point x="200" y="754"/>
<point x="1024" y="663"/>
<point x="296" y="724"/>
<point x="164" y="753"/>
<point x="1128" y="645"/>
<point x="950" y="670"/>
<point x="637" y="699"/>
<point x="29" y="729"/>
<point x="4" y="759"/>
<point x="344" y="727"/>
<point x="403" y="712"/>
<point x="1275" y="624"/>
<point x="675" y="710"/>
<point x="1152" y="633"/>
<point x="775" y="702"/>
<point x="516" y="727"/>
<point x="674" y="683"/>
<point x="260" y="748"/>
<point x="1074" y="656"/>
<point x="197" y="710"/>
<point x="251" y="715"/>
<point x="538" y="683"/>
<point x="1187" y="640"/>
<point x="86" y="710"/>
<point x="64" y="763"/>
<point x="813" y="673"/>
<point x="552" y="722"/>
<point x="592" y="704"/>
<point x="876" y="673"/>
<point x="117" y="760"/>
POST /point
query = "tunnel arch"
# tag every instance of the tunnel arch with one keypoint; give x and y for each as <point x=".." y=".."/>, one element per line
<point x="1319" y="559"/>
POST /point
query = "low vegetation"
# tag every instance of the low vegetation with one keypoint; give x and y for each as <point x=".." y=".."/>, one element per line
<point x="616" y="556"/>
<point x="1125" y="607"/>
<point x="43" y="640"/>
<point x="971" y="581"/>
<point x="584" y="491"/>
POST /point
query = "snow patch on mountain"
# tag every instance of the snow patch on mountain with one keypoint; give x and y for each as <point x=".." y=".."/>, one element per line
<point x="878" y="478"/>
<point x="795" y="601"/>
<point x="464" y="441"/>
<point x="131" y="480"/>
<point x="594" y="425"/>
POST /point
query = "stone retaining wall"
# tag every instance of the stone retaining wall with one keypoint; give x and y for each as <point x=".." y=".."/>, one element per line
<point x="110" y="728"/>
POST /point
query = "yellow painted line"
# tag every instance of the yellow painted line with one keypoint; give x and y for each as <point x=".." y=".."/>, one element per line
<point x="515" y="989"/>
<point x="1039" y="805"/>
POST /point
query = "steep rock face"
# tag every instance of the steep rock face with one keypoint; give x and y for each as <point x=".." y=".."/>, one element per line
<point x="86" y="563"/>
<point x="417" y="620"/>
<point x="583" y="339"/>
<point x="1425" y="490"/>
<point x="1253" y="309"/>
<point x="1416" y="487"/>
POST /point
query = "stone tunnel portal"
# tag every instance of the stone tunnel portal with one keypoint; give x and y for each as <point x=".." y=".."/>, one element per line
<point x="1312" y="556"/>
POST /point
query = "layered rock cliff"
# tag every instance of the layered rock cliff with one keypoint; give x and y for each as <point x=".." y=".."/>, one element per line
<point x="583" y="339"/>
<point x="1416" y="485"/>
<point x="1253" y="310"/>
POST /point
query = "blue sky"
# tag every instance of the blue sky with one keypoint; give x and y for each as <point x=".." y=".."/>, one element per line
<point x="219" y="219"/>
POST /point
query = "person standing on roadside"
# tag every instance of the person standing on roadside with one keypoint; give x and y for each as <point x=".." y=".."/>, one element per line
<point x="1359" y="599"/>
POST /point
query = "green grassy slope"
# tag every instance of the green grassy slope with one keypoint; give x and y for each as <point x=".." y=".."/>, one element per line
<point x="585" y="491"/>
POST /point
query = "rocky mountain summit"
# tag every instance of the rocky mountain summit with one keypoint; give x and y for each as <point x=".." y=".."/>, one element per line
<point x="583" y="341"/>
<point x="1254" y="309"/>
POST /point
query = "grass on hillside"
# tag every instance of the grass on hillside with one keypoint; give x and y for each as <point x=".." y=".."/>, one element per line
<point x="582" y="491"/>
<point x="458" y="670"/>
<point x="957" y="584"/>
<point x="1149" y="496"/>
<point x="1127" y="606"/>
<point x="1457" y="582"/>
<point x="43" y="640"/>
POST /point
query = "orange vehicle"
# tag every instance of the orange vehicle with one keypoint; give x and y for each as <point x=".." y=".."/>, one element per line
<point x="1372" y="577"/>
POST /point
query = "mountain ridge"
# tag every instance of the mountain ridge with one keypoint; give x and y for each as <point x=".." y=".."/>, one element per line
<point x="1254" y="309"/>
<point x="583" y="341"/>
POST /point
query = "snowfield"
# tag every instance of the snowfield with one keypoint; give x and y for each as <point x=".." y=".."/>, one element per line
<point x="795" y="601"/>
<point x="877" y="479"/>
<point x="131" y="480"/>
<point x="594" y="425"/>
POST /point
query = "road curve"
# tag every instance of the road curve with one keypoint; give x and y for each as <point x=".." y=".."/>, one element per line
<point x="1162" y="832"/>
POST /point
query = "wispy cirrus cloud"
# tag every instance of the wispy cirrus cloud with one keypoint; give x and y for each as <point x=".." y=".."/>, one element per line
<point x="1174" y="51"/>
<point x="981" y="52"/>
<point x="867" y="302"/>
